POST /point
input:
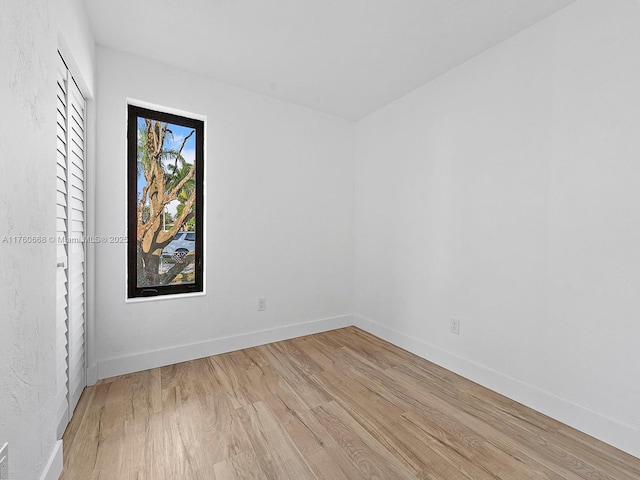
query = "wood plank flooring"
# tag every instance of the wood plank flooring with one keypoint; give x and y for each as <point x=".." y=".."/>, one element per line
<point x="336" y="405"/>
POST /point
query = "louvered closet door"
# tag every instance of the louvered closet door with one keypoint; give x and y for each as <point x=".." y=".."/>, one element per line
<point x="70" y="316"/>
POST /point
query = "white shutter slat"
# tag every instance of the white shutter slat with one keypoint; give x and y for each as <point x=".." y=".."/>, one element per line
<point x="61" y="169"/>
<point x="61" y="251"/>
<point x="61" y="124"/>
<point x="76" y="183"/>
<point x="76" y="153"/>
<point x="61" y="103"/>
<point x="61" y="186"/>
<point x="76" y="368"/>
<point x="76" y="146"/>
<point x="77" y="333"/>
<point x="77" y="195"/>
<point x="61" y="227"/>
<point x="76" y="129"/>
<point x="77" y="387"/>
<point x="78" y="330"/>
<point x="61" y="146"/>
<point x="77" y="109"/>
<point x="61" y="199"/>
<point x="77" y="174"/>
<point x="61" y="93"/>
<point x="76" y="189"/>
<point x="62" y="67"/>
<point x="77" y="205"/>
<point x="76" y="226"/>
<point x="77" y="98"/>
<point x="77" y="221"/>
<point x="60" y="210"/>
<point x="76" y="294"/>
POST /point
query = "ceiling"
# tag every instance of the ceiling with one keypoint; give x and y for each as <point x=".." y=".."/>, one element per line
<point x="344" y="57"/>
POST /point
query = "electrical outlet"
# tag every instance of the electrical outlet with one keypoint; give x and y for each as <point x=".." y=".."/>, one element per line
<point x="4" y="462"/>
<point x="262" y="304"/>
<point x="455" y="326"/>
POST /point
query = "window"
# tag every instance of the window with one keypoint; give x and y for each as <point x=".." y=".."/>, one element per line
<point x="165" y="203"/>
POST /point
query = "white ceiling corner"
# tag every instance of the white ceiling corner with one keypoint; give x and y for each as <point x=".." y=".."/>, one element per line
<point x="344" y="57"/>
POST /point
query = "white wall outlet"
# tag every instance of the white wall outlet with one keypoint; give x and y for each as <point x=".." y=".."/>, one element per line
<point x="4" y="462"/>
<point x="455" y="326"/>
<point x="262" y="304"/>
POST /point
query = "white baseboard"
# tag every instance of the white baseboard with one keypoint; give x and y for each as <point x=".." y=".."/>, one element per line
<point x="159" y="358"/>
<point x="53" y="469"/>
<point x="619" y="435"/>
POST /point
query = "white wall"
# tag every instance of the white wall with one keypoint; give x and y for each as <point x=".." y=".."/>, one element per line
<point x="279" y="220"/>
<point x="506" y="193"/>
<point x="29" y="33"/>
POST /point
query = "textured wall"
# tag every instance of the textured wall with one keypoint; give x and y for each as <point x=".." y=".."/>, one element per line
<point x="29" y="33"/>
<point x="27" y="203"/>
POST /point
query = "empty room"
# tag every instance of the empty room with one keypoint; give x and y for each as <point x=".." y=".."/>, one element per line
<point x="296" y="239"/>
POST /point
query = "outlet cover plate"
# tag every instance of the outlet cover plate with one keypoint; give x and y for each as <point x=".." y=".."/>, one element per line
<point x="455" y="326"/>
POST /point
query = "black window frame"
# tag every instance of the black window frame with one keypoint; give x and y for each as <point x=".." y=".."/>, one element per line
<point x="133" y="290"/>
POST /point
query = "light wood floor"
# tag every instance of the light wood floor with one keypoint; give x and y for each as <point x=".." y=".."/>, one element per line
<point x="337" y="405"/>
